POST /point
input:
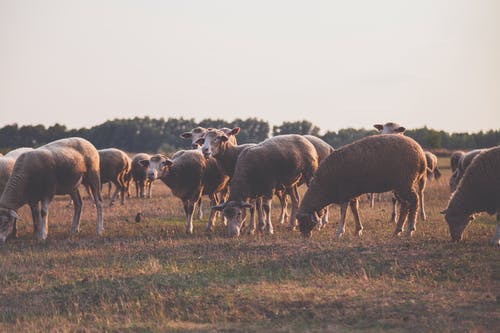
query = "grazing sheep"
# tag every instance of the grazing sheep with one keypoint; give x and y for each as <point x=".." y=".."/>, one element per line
<point x="463" y="164"/>
<point x="139" y="174"/>
<point x="189" y="175"/>
<point x="282" y="161"/>
<point x="115" y="168"/>
<point x="53" y="169"/>
<point x="455" y="159"/>
<point x="432" y="166"/>
<point x="478" y="191"/>
<point x="367" y="166"/>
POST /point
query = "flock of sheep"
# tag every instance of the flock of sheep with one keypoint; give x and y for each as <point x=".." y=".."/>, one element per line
<point x="240" y="177"/>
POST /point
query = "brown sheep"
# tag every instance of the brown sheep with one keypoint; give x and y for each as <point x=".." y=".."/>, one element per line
<point x="367" y="166"/>
<point x="478" y="191"/>
<point x="463" y="164"/>
<point x="53" y="169"/>
<point x="139" y="175"/>
<point x="279" y="162"/>
<point x="189" y="175"/>
<point x="432" y="166"/>
<point x="115" y="166"/>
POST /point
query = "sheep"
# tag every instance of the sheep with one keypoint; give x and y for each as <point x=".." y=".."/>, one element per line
<point x="279" y="162"/>
<point x="198" y="133"/>
<point x="7" y="164"/>
<point x="53" y="169"/>
<point x="139" y="175"/>
<point x="455" y="159"/>
<point x="394" y="128"/>
<point x="463" y="164"/>
<point x="189" y="175"/>
<point x="478" y="191"/>
<point x="367" y="165"/>
<point x="115" y="167"/>
<point x="432" y="166"/>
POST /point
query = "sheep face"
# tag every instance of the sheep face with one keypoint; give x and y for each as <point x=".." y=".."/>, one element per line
<point x="457" y="225"/>
<point x="307" y="222"/>
<point x="195" y="136"/>
<point x="7" y="219"/>
<point x="235" y="214"/>
<point x="156" y="166"/>
<point x="390" y="128"/>
<point x="214" y="142"/>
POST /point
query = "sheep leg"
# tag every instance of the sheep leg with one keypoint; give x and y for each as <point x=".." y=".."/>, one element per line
<point x="343" y="215"/>
<point x="44" y="219"/>
<point x="35" y="215"/>
<point x="266" y="205"/>
<point x="113" y="198"/>
<point x="394" y="216"/>
<point x="141" y="189"/>
<point x="284" y="213"/>
<point x="403" y="213"/>
<point x="496" y="236"/>
<point x="412" y="212"/>
<point x="188" y="209"/>
<point x="77" y="203"/>
<point x="324" y="219"/>
<point x="354" y="204"/>
<point x="214" y="201"/>
<point x="421" y="188"/>
<point x="149" y="188"/>
<point x="137" y="194"/>
<point x="200" y="210"/>
<point x="294" y="196"/>
<point x="252" y="226"/>
<point x="260" y="213"/>
<point x="371" y="197"/>
<point x="123" y="187"/>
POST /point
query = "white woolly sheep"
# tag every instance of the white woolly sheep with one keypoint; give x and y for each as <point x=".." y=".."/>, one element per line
<point x="367" y="166"/>
<point x="282" y="161"/>
<point x="115" y="167"/>
<point x="478" y="191"/>
<point x="54" y="169"/>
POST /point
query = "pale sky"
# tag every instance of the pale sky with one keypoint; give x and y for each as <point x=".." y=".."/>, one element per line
<point x="335" y="63"/>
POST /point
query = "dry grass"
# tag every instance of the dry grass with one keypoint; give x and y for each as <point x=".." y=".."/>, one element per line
<point x="150" y="276"/>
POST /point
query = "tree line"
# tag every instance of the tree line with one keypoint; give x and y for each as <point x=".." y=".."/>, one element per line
<point x="163" y="135"/>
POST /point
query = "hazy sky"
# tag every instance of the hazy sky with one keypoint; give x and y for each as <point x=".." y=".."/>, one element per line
<point x="335" y="63"/>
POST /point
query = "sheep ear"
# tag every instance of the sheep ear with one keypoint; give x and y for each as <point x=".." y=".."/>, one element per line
<point x="400" y="129"/>
<point x="168" y="162"/>
<point x="144" y="163"/>
<point x="379" y="127"/>
<point x="444" y="211"/>
<point x="219" y="207"/>
<point x="234" y="131"/>
<point x="187" y="135"/>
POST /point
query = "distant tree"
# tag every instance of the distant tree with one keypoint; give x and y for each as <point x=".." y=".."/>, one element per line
<point x="297" y="127"/>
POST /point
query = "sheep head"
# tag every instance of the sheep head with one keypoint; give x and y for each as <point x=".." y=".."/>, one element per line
<point x="195" y="135"/>
<point x="156" y="166"/>
<point x="390" y="128"/>
<point x="215" y="141"/>
<point x="457" y="224"/>
<point x="307" y="222"/>
<point x="234" y="212"/>
<point x="7" y="219"/>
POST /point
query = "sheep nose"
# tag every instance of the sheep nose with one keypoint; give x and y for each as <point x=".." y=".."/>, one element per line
<point x="151" y="176"/>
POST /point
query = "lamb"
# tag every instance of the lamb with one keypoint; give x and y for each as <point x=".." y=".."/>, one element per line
<point x="455" y="159"/>
<point x="478" y="191"/>
<point x="53" y="169"/>
<point x="367" y="166"/>
<point x="282" y="161"/>
<point x="189" y="175"/>
<point x="115" y="167"/>
<point x="139" y="175"/>
<point x="463" y="164"/>
<point x="432" y="166"/>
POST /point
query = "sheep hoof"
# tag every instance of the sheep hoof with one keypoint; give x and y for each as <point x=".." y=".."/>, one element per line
<point x="340" y="233"/>
<point x="496" y="242"/>
<point x="270" y="231"/>
<point x="251" y="232"/>
<point x="358" y="233"/>
<point x="209" y="228"/>
<point x="398" y="232"/>
<point x="189" y="231"/>
<point x="424" y="218"/>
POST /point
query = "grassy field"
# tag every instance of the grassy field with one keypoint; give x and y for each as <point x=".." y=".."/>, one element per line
<point x="150" y="276"/>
